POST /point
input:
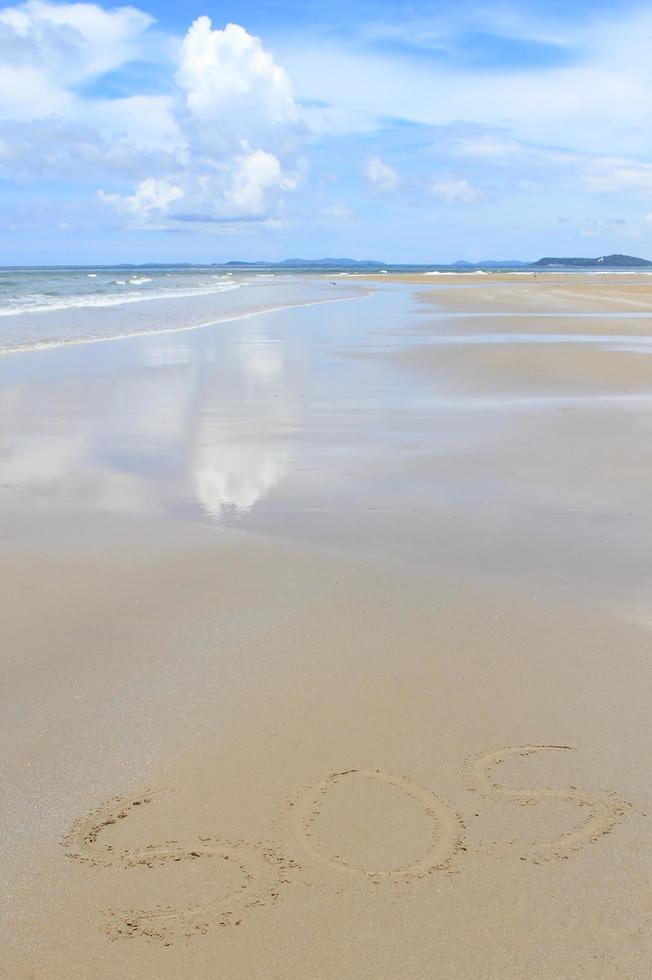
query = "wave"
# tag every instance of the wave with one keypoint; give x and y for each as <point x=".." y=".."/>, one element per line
<point x="458" y="272"/>
<point x="75" y="341"/>
<point x="92" y="300"/>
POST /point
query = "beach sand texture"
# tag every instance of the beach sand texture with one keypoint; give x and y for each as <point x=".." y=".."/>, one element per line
<point x="326" y="641"/>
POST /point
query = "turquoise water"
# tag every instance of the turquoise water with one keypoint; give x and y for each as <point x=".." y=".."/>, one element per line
<point x="41" y="308"/>
<point x="25" y="290"/>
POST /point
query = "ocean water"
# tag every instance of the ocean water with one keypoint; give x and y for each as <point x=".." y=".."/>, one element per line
<point x="43" y="307"/>
<point x="25" y="290"/>
<point x="51" y="307"/>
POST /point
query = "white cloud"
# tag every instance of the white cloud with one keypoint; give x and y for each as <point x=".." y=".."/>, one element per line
<point x="58" y="149"/>
<point x="236" y="111"/>
<point x="245" y="187"/>
<point x="50" y="54"/>
<point x="227" y="73"/>
<point x="252" y="176"/>
<point x="151" y="197"/>
<point x="611" y="175"/>
<point x="224" y="128"/>
<point x="454" y="190"/>
<point x="221" y="143"/>
<point x="599" y="99"/>
<point x="47" y="48"/>
<point x="78" y="40"/>
<point x="380" y="177"/>
<point x="146" y="121"/>
<point x="551" y="167"/>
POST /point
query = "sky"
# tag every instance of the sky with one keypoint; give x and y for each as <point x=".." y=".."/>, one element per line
<point x="266" y="129"/>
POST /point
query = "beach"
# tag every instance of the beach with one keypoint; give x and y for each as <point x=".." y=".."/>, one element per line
<point x="327" y="631"/>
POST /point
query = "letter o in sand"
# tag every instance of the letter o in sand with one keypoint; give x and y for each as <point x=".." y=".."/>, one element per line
<point x="446" y="836"/>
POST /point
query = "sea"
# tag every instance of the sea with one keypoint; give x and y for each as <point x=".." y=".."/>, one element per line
<point x="43" y="307"/>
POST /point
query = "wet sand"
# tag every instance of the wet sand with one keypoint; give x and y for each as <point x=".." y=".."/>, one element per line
<point x="327" y="644"/>
<point x="532" y="292"/>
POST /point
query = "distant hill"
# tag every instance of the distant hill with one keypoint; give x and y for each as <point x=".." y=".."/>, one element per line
<point x="612" y="261"/>
<point x="328" y="263"/>
<point x="333" y="263"/>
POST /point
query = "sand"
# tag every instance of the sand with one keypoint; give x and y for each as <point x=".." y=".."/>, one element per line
<point x="327" y="645"/>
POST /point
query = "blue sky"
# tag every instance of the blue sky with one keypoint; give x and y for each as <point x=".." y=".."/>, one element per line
<point x="400" y="131"/>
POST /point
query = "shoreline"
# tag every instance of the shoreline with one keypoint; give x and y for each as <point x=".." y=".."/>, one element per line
<point x="162" y="331"/>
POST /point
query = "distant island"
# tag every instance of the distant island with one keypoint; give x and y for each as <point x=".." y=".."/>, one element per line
<point x="612" y="261"/>
<point x="371" y="265"/>
<point x="339" y="264"/>
<point x="328" y="263"/>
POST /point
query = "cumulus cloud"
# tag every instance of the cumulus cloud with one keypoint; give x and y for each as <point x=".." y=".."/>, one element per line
<point x="206" y="128"/>
<point x="227" y="75"/>
<point x="221" y="142"/>
<point x="454" y="190"/>
<point x="252" y="176"/>
<point x="380" y="177"/>
<point x="235" y="107"/>
<point x="244" y="187"/>
<point x="152" y="196"/>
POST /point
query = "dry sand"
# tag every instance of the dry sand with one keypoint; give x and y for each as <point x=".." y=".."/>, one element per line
<point x="327" y="649"/>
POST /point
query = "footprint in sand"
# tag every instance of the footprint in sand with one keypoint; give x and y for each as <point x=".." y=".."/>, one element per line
<point x="601" y="811"/>
<point x="259" y="874"/>
<point x="436" y="830"/>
